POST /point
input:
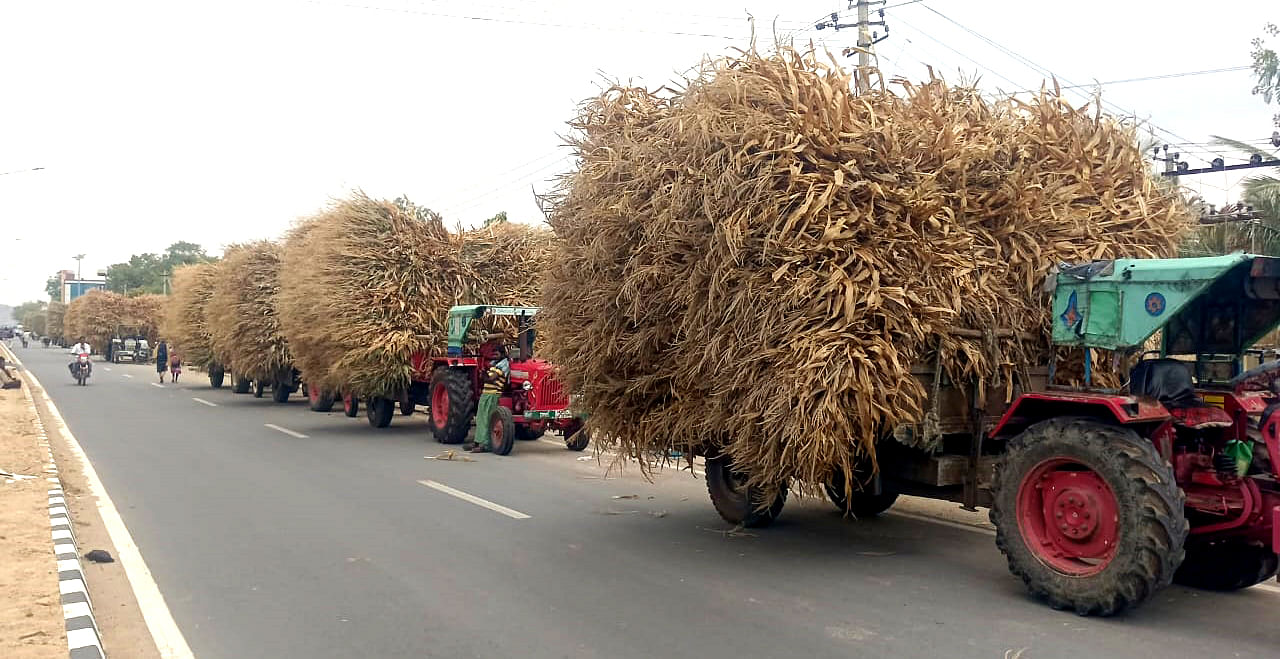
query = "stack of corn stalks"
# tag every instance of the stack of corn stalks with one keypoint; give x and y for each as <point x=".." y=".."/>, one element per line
<point x="54" y="315"/>
<point x="508" y="261"/>
<point x="185" y="323"/>
<point x="241" y="314"/>
<point x="94" y="317"/>
<point x="36" y="322"/>
<point x="145" y="312"/>
<point x="366" y="284"/>
<point x="752" y="265"/>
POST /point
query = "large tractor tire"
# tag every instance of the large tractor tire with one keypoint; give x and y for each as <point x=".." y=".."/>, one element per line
<point x="1226" y="565"/>
<point x="1088" y="515"/>
<point x="379" y="411"/>
<point x="258" y="388"/>
<point x="502" y="431"/>
<point x="320" y="401"/>
<point x="242" y="385"/>
<point x="407" y="406"/>
<point x="216" y="376"/>
<point x="858" y="504"/>
<point x="452" y="405"/>
<point x="527" y="434"/>
<point x="737" y="503"/>
<point x="280" y="391"/>
<point x="351" y="405"/>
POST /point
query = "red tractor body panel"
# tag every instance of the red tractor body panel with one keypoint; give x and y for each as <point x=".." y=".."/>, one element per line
<point x="1030" y="408"/>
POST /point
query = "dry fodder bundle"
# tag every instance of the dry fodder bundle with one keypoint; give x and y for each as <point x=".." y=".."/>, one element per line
<point x="185" y="323"/>
<point x="366" y="284"/>
<point x="145" y="312"/>
<point x="94" y="317"/>
<point x="54" y="315"/>
<point x="35" y="322"/>
<point x="752" y="264"/>
<point x="241" y="315"/>
<point x="508" y="260"/>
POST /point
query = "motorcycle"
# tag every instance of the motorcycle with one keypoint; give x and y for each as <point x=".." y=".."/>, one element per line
<point x="82" y="369"/>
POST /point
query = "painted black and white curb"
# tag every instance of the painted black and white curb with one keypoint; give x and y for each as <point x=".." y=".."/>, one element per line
<point x="83" y="639"/>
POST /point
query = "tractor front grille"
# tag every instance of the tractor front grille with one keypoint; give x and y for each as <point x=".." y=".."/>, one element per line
<point x="548" y="394"/>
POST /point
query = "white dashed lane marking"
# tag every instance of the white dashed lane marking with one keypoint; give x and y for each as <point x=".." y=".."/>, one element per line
<point x="204" y="402"/>
<point x="286" y="431"/>
<point x="471" y="498"/>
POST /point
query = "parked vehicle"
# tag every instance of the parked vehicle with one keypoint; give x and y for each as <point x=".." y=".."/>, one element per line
<point x="1102" y="497"/>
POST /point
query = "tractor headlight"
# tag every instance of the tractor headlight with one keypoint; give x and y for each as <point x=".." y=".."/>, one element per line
<point x="527" y="386"/>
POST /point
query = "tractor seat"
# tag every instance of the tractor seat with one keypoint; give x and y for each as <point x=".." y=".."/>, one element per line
<point x="1169" y="382"/>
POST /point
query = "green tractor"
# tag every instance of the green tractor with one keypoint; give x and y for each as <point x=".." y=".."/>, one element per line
<point x="1100" y="497"/>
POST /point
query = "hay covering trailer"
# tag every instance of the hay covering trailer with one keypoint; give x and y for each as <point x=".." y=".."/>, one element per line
<point x="1100" y="497"/>
<point x="450" y="386"/>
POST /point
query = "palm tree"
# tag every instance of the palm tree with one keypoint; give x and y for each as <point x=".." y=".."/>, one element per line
<point x="1262" y="236"/>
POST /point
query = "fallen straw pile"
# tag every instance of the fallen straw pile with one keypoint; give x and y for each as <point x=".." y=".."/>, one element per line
<point x="241" y="314"/>
<point x="367" y="283"/>
<point x="752" y="265"/>
<point x="185" y="323"/>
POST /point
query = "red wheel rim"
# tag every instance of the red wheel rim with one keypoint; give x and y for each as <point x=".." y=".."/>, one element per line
<point x="347" y="400"/>
<point x="495" y="433"/>
<point x="1068" y="517"/>
<point x="440" y="406"/>
<point x="313" y="394"/>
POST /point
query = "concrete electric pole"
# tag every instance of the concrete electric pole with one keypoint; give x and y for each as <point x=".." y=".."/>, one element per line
<point x="866" y="38"/>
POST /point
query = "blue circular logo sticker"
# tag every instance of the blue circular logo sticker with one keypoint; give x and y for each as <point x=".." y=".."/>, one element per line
<point x="1155" y="304"/>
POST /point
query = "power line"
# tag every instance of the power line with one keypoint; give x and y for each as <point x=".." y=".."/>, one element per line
<point x="1165" y="76"/>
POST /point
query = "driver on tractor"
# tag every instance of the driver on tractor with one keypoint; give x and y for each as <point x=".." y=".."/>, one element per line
<point x="495" y="384"/>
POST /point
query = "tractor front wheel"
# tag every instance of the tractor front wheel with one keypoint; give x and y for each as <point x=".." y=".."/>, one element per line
<point x="502" y="431"/>
<point x="1089" y="515"/>
<point x="258" y="388"/>
<point x="735" y="501"/>
<point x="1226" y="565"/>
<point x="379" y="411"/>
<point x="280" y="391"/>
<point x="350" y="405"/>
<point x="242" y="385"/>
<point x="320" y="401"/>
<point x="577" y="438"/>
<point x="452" y="405"/>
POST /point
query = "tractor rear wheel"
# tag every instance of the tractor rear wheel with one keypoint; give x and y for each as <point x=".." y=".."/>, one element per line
<point x="321" y="401"/>
<point x="1226" y="565"/>
<point x="216" y="376"/>
<point x="280" y="392"/>
<point x="258" y="388"/>
<point x="242" y="385"/>
<point x="502" y="431"/>
<point x="452" y="405"/>
<point x="407" y="405"/>
<point x="1088" y="514"/>
<point x="859" y="504"/>
<point x="737" y="503"/>
<point x="379" y="411"/>
<point x="350" y="405"/>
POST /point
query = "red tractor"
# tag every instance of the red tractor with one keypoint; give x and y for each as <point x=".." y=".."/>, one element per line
<point x="1102" y="497"/>
<point x="450" y="386"/>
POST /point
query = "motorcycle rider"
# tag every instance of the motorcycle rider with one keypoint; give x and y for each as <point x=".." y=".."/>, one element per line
<point x="81" y="347"/>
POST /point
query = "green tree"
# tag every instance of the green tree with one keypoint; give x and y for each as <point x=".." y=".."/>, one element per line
<point x="53" y="288"/>
<point x="1266" y="67"/>
<point x="35" y="306"/>
<point x="500" y="218"/>
<point x="146" y="273"/>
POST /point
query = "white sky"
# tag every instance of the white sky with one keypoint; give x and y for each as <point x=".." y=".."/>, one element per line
<point x="221" y="122"/>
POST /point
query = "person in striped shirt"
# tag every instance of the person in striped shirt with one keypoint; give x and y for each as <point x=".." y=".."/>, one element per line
<point x="495" y="384"/>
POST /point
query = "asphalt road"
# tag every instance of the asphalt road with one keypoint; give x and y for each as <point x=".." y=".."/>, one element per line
<point x="269" y="545"/>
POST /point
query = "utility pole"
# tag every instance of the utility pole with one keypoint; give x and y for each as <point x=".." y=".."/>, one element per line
<point x="78" y="258"/>
<point x="866" y="38"/>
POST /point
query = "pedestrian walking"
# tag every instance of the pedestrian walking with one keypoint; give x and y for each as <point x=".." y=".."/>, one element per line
<point x="175" y="366"/>
<point x="162" y="359"/>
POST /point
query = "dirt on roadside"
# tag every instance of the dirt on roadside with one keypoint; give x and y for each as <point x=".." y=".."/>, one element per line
<point x="31" y="624"/>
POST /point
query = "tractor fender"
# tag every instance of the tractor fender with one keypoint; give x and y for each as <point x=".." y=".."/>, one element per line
<point x="1032" y="408"/>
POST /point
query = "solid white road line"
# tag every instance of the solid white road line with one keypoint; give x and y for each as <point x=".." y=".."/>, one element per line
<point x="164" y="631"/>
<point x="157" y="384"/>
<point x="106" y="368"/>
<point x="125" y="375"/>
<point x="204" y="402"/>
<point x="471" y="498"/>
<point x="933" y="520"/>
<point x="286" y="431"/>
